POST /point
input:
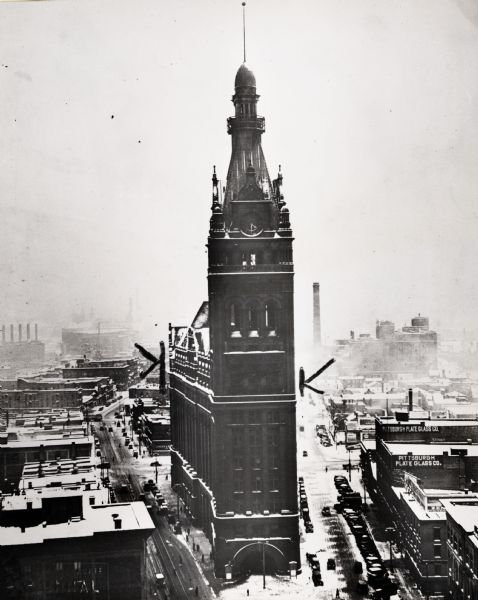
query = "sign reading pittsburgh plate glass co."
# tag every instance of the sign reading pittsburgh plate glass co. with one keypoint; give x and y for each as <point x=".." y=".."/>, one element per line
<point x="407" y="460"/>
<point x="411" y="428"/>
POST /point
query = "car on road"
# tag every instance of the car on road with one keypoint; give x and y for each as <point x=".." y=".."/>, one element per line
<point x="317" y="578"/>
<point x="362" y="586"/>
<point x="326" y="511"/>
<point x="305" y="453"/>
<point x="309" y="528"/>
<point x="110" y="429"/>
<point x="331" y="564"/>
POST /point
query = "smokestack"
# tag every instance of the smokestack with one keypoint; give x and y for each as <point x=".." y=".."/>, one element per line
<point x="3" y="334"/>
<point x="352" y="334"/>
<point x="36" y="332"/>
<point x="317" y="333"/>
<point x="28" y="332"/>
<point x="19" y="332"/>
<point x="11" y="333"/>
<point x="410" y="399"/>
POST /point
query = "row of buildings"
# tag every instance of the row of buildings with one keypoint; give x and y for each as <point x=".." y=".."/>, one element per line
<point x="60" y="534"/>
<point x="424" y="473"/>
<point x="411" y="349"/>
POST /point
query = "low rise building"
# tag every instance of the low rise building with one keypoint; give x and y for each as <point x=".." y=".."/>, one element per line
<point x="123" y="372"/>
<point x="145" y="390"/>
<point x="62" y="546"/>
<point x="422" y="532"/>
<point x="18" y="448"/>
<point x="462" y="546"/>
<point x="156" y="432"/>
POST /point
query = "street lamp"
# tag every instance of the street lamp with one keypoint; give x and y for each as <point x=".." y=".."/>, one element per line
<point x="350" y="465"/>
<point x="390" y="531"/>
<point x="156" y="464"/>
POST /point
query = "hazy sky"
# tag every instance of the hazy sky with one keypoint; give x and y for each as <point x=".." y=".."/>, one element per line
<point x="371" y="107"/>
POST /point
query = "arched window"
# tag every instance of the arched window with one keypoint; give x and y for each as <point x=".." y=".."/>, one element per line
<point x="271" y="318"/>
<point x="253" y="321"/>
<point x="234" y="320"/>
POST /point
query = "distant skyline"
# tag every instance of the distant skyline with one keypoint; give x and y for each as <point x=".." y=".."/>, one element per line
<point x="114" y="113"/>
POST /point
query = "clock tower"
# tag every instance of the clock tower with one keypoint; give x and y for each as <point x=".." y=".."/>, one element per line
<point x="232" y="386"/>
<point x="251" y="319"/>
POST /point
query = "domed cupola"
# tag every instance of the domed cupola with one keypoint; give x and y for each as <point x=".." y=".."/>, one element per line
<point x="245" y="80"/>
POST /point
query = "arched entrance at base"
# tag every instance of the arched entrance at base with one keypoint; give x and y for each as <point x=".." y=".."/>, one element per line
<point x="258" y="557"/>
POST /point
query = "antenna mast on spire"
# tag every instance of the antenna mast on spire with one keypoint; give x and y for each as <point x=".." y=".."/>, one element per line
<point x="244" y="27"/>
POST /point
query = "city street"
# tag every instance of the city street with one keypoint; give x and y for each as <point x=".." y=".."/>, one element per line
<point x="172" y="554"/>
<point x="167" y="554"/>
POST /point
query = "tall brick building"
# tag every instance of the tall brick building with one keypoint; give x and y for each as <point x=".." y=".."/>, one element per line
<point x="232" y="371"/>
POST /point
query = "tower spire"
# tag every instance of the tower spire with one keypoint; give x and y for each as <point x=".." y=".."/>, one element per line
<point x="244" y="28"/>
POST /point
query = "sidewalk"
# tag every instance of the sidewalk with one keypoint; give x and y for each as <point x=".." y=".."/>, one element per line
<point x="193" y="538"/>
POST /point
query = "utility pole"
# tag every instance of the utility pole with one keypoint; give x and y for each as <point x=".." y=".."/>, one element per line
<point x="263" y="565"/>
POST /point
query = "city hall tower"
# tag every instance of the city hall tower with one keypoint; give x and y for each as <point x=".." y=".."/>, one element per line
<point x="234" y="456"/>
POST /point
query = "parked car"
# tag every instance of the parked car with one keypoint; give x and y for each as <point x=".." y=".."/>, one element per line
<point x="309" y="528"/>
<point x="362" y="586"/>
<point x="317" y="579"/>
<point x="358" y="567"/>
<point x="331" y="564"/>
<point x="326" y="511"/>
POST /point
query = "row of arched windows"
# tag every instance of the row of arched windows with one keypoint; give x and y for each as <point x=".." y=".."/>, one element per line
<point x="251" y="257"/>
<point x="253" y="319"/>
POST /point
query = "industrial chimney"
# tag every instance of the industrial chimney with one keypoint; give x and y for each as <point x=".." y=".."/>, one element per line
<point x="11" y="333"/>
<point x="36" y="332"/>
<point x="19" y="332"/>
<point x="317" y="333"/>
<point x="410" y="399"/>
<point x="3" y="334"/>
<point x="28" y="332"/>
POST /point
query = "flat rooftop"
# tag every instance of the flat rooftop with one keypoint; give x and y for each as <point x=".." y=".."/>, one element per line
<point x="134" y="516"/>
<point x="428" y="422"/>
<point x="36" y="442"/>
<point x="400" y="448"/>
<point x="443" y="495"/>
<point x="464" y="512"/>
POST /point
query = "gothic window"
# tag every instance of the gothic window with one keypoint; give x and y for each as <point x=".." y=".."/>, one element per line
<point x="238" y="505"/>
<point x="238" y="460"/>
<point x="256" y="505"/>
<point x="238" y="439"/>
<point x="256" y="461"/>
<point x="257" y="482"/>
<point x="239" y="481"/>
<point x="234" y="320"/>
<point x="274" y="480"/>
<point x="253" y="321"/>
<point x="254" y="439"/>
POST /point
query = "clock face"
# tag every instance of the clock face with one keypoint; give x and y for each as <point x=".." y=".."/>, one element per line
<point x="251" y="225"/>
